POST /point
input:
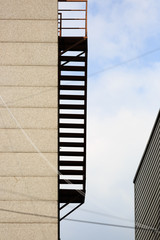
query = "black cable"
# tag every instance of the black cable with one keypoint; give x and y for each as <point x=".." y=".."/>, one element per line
<point x="125" y="62"/>
<point x="99" y="223"/>
<point x="82" y="221"/>
<point x="105" y="214"/>
<point x="112" y="225"/>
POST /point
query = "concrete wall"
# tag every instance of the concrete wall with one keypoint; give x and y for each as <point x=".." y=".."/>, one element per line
<point x="28" y="85"/>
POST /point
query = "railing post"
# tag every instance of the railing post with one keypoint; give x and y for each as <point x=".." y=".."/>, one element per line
<point x="60" y="24"/>
<point x="82" y="19"/>
<point x="86" y="19"/>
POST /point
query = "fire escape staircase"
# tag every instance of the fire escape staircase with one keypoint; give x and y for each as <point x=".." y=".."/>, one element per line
<point x="72" y="95"/>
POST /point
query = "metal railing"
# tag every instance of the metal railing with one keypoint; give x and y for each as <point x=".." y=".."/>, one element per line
<point x="67" y="22"/>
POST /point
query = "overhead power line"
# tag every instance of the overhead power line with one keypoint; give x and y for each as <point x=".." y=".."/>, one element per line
<point x="125" y="62"/>
<point x="105" y="214"/>
<point x="113" y="225"/>
<point x="99" y="223"/>
<point x="138" y="226"/>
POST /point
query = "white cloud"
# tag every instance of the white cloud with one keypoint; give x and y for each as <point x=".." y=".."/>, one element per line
<point x="121" y="28"/>
<point x="125" y="88"/>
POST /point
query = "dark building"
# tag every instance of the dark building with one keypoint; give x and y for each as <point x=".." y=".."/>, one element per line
<point x="147" y="189"/>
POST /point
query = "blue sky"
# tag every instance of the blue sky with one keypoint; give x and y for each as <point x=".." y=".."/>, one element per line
<point x="122" y="106"/>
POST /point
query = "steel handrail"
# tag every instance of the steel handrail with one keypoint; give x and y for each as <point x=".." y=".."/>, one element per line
<point x="70" y="18"/>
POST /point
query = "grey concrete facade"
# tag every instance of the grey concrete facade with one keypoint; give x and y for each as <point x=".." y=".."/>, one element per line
<point x="147" y="189"/>
<point x="28" y="87"/>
